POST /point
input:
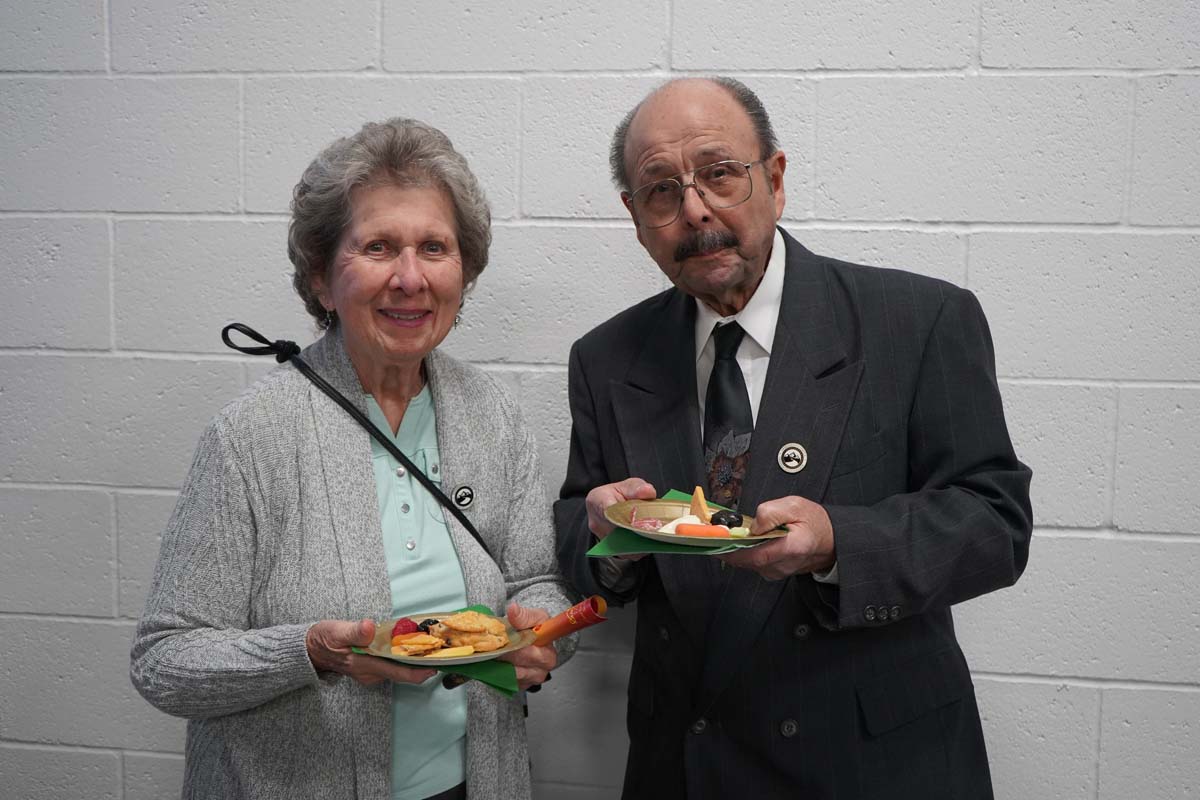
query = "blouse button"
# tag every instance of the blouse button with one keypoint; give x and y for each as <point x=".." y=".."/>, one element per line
<point x="400" y="472"/>
<point x="434" y="469"/>
<point x="405" y="508"/>
<point x="411" y="544"/>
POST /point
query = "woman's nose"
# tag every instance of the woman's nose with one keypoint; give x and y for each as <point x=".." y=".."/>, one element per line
<point x="408" y="274"/>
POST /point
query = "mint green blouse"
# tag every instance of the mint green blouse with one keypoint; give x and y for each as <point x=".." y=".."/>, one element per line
<point x="429" y="723"/>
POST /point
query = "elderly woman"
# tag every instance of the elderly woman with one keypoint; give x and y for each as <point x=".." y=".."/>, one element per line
<point x="295" y="529"/>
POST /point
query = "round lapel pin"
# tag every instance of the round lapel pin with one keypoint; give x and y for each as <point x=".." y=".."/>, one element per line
<point x="464" y="496"/>
<point x="792" y="458"/>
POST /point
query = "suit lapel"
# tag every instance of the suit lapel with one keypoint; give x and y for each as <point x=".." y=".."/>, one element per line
<point x="658" y="420"/>
<point x="811" y="383"/>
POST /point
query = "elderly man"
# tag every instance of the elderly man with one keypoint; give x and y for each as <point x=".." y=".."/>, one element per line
<point x="857" y="406"/>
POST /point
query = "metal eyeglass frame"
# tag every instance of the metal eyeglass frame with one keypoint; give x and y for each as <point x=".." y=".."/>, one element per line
<point x="684" y="186"/>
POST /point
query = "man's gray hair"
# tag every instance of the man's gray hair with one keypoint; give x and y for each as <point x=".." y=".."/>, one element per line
<point x="747" y="99"/>
<point x="399" y="152"/>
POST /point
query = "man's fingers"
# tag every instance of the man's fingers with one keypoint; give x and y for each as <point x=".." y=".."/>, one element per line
<point x="636" y="489"/>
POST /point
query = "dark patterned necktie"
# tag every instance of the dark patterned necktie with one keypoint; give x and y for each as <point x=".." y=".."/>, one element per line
<point x="728" y="423"/>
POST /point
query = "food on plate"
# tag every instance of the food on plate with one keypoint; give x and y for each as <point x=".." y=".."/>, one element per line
<point x="404" y="625"/>
<point x="687" y="519"/>
<point x="717" y="531"/>
<point x="470" y="628"/>
<point x="415" y="644"/>
<point x="453" y="652"/>
<point x="700" y="506"/>
<point x="647" y="524"/>
<point x="461" y="634"/>
<point x="730" y="519"/>
<point x="739" y="532"/>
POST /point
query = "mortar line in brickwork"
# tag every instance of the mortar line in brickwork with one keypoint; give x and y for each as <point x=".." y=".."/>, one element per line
<point x="867" y="225"/>
<point x="110" y="229"/>
<point x="1127" y="199"/>
<point x="54" y="486"/>
<point x="966" y="261"/>
<point x="25" y="616"/>
<point x="510" y="366"/>
<point x="149" y="355"/>
<point x="1064" y="380"/>
<point x="1099" y="741"/>
<point x="810" y="223"/>
<point x="1110" y="534"/>
<point x="107" y="38"/>
<point x="977" y="54"/>
<point x="815" y="156"/>
<point x="520" y="188"/>
<point x="115" y="522"/>
<point x="1114" y="454"/>
<point x="22" y="744"/>
<point x="668" y="34"/>
<point x="379" y="36"/>
<point x="1087" y="683"/>
<point x="241" y="145"/>
<point x="370" y="73"/>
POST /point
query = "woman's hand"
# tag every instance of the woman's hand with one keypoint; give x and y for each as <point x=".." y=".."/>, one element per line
<point x="329" y="642"/>
<point x="533" y="663"/>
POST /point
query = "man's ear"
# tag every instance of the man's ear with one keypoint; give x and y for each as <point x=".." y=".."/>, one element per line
<point x="775" y="166"/>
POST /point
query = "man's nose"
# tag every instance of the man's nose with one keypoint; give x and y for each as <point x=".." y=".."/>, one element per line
<point x="695" y="210"/>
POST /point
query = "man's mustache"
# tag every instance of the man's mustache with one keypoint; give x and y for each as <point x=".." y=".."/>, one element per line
<point x="704" y="242"/>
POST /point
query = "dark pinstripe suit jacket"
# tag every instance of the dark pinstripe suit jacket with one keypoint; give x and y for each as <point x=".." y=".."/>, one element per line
<point x="742" y="687"/>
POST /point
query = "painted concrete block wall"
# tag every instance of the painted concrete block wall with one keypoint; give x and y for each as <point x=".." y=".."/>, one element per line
<point x="1041" y="154"/>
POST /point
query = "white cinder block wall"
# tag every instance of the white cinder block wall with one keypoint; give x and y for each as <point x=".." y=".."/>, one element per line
<point x="1042" y="154"/>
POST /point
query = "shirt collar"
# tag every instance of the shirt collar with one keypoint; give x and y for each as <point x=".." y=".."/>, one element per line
<point x="761" y="314"/>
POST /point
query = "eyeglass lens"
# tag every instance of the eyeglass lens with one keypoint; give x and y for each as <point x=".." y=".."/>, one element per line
<point x="722" y="185"/>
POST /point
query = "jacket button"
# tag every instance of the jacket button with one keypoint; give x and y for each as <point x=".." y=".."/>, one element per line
<point x="788" y="728"/>
<point x="664" y="634"/>
<point x="800" y="631"/>
<point x="700" y="725"/>
<point x="869" y="613"/>
<point x="895" y="612"/>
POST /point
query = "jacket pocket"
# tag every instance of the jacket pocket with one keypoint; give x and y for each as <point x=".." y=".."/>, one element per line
<point x="919" y="687"/>
<point x="864" y="453"/>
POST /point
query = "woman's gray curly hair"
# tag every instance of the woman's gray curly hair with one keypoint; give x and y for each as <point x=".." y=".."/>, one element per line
<point x="398" y="151"/>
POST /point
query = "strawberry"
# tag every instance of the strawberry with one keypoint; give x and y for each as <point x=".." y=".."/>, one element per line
<point x="404" y="625"/>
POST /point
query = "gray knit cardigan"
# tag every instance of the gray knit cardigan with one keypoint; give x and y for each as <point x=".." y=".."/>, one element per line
<point x="277" y="526"/>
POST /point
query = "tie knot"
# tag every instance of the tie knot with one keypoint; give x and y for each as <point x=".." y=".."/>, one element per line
<point x="727" y="338"/>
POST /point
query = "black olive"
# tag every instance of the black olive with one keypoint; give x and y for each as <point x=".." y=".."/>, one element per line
<point x="730" y="519"/>
<point x="425" y="624"/>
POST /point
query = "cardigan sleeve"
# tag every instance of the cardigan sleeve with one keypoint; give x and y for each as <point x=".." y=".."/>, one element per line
<point x="194" y="653"/>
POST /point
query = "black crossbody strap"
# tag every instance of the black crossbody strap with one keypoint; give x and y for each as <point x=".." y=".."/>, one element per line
<point x="283" y="351"/>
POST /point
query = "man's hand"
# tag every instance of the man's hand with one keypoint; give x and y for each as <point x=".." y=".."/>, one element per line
<point x="533" y="663"/>
<point x="808" y="547"/>
<point x="609" y="494"/>
<point x="329" y="642"/>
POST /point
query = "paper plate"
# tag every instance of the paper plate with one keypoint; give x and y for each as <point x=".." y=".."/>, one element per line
<point x="381" y="645"/>
<point x="619" y="514"/>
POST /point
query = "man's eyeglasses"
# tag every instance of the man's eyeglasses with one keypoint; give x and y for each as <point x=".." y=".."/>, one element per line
<point x="724" y="184"/>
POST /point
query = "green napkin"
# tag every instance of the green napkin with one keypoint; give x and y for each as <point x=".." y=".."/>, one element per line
<point x="623" y="541"/>
<point x="500" y="675"/>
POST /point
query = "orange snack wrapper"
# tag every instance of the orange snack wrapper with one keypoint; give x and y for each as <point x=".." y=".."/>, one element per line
<point x="577" y="617"/>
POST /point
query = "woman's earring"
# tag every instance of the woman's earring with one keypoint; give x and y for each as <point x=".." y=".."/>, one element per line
<point x="457" y="320"/>
<point x="328" y="318"/>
